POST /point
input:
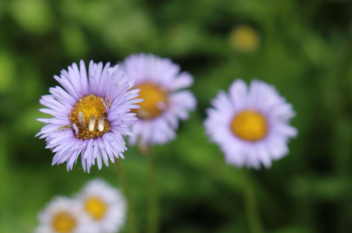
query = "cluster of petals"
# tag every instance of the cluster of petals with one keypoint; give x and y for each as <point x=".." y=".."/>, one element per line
<point x="79" y="214"/>
<point x="257" y="97"/>
<point x="96" y="134"/>
<point x="148" y="68"/>
<point x="106" y="82"/>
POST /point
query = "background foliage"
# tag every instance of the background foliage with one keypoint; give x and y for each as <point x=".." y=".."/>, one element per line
<point x="305" y="50"/>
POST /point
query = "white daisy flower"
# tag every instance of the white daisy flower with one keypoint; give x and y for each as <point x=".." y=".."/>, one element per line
<point x="165" y="102"/>
<point x="251" y="124"/>
<point x="104" y="206"/>
<point x="63" y="215"/>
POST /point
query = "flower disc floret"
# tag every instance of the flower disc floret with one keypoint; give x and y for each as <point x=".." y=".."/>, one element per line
<point x="95" y="207"/>
<point x="155" y="100"/>
<point x="90" y="116"/>
<point x="249" y="125"/>
<point x="64" y="222"/>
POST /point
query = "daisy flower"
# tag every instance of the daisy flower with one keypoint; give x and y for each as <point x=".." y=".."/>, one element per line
<point x="165" y="101"/>
<point x="63" y="215"/>
<point x="244" y="38"/>
<point x="251" y="124"/>
<point x="90" y="113"/>
<point x="104" y="206"/>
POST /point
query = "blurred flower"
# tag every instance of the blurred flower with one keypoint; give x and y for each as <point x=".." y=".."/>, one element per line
<point x="251" y="124"/>
<point x="244" y="38"/>
<point x="63" y="215"/>
<point x="160" y="83"/>
<point x="104" y="206"/>
<point x="90" y="114"/>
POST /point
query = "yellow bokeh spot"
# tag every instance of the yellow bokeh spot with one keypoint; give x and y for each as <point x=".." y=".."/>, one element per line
<point x="244" y="38"/>
<point x="96" y="208"/>
<point x="64" y="222"/>
<point x="91" y="107"/>
<point x="249" y="125"/>
<point x="155" y="100"/>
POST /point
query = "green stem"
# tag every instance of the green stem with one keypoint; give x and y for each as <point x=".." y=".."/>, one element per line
<point x="132" y="220"/>
<point x="153" y="216"/>
<point x="250" y="203"/>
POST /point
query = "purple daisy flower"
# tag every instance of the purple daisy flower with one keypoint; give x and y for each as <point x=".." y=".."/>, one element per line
<point x="251" y="124"/>
<point x="164" y="101"/>
<point x="90" y="113"/>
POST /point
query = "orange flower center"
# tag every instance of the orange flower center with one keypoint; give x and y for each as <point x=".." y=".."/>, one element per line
<point x="155" y="100"/>
<point x="96" y="208"/>
<point x="249" y="125"/>
<point x="89" y="115"/>
<point x="64" y="222"/>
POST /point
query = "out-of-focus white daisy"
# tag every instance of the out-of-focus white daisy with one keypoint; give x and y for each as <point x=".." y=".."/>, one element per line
<point x="104" y="206"/>
<point x="165" y="101"/>
<point x="63" y="215"/>
<point x="90" y="114"/>
<point x="251" y="124"/>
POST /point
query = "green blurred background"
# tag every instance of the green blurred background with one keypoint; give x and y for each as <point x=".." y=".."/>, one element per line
<point x="304" y="49"/>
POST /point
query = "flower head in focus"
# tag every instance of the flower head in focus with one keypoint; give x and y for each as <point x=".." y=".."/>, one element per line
<point x="251" y="124"/>
<point x="91" y="112"/>
<point x="165" y="101"/>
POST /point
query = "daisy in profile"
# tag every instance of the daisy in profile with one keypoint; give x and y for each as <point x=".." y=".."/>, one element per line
<point x="91" y="112"/>
<point x="251" y="124"/>
<point x="165" y="101"/>
<point x="104" y="206"/>
<point x="63" y="215"/>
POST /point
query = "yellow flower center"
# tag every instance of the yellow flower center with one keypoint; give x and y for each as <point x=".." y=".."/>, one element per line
<point x="249" y="125"/>
<point x="96" y="208"/>
<point x="244" y="38"/>
<point x="89" y="115"/>
<point x="155" y="100"/>
<point x="64" y="222"/>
